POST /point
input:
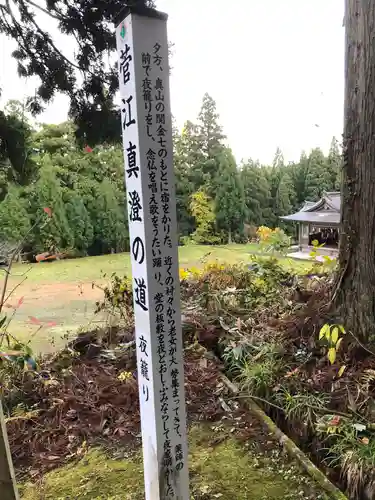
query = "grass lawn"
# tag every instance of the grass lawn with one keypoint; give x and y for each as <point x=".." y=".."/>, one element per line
<point x="93" y="268"/>
<point x="58" y="297"/>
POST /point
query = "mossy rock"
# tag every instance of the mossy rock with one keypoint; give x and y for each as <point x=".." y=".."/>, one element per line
<point x="225" y="470"/>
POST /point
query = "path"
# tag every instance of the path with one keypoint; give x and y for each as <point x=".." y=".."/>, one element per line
<point x="49" y="311"/>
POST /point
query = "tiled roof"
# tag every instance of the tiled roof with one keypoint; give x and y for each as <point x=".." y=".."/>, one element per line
<point x="326" y="210"/>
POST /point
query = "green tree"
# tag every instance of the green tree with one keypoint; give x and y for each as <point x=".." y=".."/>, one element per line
<point x="15" y="222"/>
<point x="278" y="160"/>
<point x="210" y="131"/>
<point x="230" y="198"/>
<point x="317" y="178"/>
<point x="107" y="218"/>
<point x="334" y="165"/>
<point x="275" y="173"/>
<point x="283" y="203"/>
<point x="56" y="234"/>
<point x="281" y="186"/>
<point x="89" y="22"/>
<point x="257" y="193"/>
<point x="189" y="155"/>
<point x="51" y="139"/>
<point x="210" y="142"/>
<point x="298" y="174"/>
<point x="79" y="222"/>
<point x="16" y="164"/>
<point x="203" y="210"/>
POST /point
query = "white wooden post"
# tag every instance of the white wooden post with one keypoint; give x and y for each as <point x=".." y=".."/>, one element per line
<point x="142" y="46"/>
<point x="8" y="486"/>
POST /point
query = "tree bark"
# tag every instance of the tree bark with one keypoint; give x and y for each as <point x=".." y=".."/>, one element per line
<point x="8" y="487"/>
<point x="354" y="294"/>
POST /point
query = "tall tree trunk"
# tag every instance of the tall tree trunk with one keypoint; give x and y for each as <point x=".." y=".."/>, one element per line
<point x="230" y="236"/>
<point x="8" y="488"/>
<point x="355" y="288"/>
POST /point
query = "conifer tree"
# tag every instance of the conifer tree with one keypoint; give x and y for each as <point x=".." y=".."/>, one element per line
<point x="230" y="199"/>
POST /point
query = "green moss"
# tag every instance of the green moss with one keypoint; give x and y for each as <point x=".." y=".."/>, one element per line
<point x="94" y="477"/>
<point x="226" y="470"/>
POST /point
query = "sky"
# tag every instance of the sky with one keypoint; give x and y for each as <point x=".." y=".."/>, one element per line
<point x="274" y="67"/>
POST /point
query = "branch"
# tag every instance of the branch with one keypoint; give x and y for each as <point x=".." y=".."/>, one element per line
<point x="11" y="258"/>
<point x="14" y="289"/>
<point x="49" y="41"/>
<point x="360" y="343"/>
<point x="30" y="16"/>
<point x="18" y="28"/>
<point x="318" y="409"/>
<point x="44" y="10"/>
<point x="3" y="291"/>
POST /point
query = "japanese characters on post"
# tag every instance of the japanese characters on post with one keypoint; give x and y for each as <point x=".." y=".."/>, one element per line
<point x="142" y="46"/>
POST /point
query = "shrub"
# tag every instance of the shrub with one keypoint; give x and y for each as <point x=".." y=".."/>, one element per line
<point x="273" y="239"/>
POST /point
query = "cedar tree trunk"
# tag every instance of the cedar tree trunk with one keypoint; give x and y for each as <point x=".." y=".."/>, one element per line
<point x="354" y="294"/>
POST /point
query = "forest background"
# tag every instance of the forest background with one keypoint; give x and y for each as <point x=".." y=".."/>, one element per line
<point x="218" y="200"/>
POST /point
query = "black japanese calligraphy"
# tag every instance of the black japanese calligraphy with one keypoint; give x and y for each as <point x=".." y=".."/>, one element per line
<point x="156" y="262"/>
<point x="149" y="122"/>
<point x="161" y="131"/>
<point x="159" y="299"/>
<point x="165" y="199"/>
<point x="175" y="382"/>
<point x="127" y="112"/>
<point x="133" y="168"/>
<point x="179" y="456"/>
<point x="125" y="59"/>
<point x="158" y="277"/>
<point x="140" y="293"/>
<point x="159" y="85"/>
<point x="157" y="58"/>
<point x="135" y="206"/>
<point x="145" y="392"/>
<point x="146" y="63"/>
<point x="144" y="369"/>
<point x="147" y="92"/>
<point x="146" y="84"/>
<point x="138" y="250"/>
<point x="151" y="157"/>
<point x="160" y="107"/>
<point x="179" y="466"/>
<point x="160" y="118"/>
<point x="143" y="345"/>
<point x="153" y="205"/>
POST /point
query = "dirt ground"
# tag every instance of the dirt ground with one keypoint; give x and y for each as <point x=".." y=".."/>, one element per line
<point x="58" y="298"/>
<point x="91" y="430"/>
<point x="47" y="313"/>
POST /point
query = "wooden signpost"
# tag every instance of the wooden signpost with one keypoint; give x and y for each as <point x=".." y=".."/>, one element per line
<point x="8" y="486"/>
<point x="146" y="122"/>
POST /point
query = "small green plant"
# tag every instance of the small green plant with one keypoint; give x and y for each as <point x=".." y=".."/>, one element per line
<point x="331" y="336"/>
<point x="321" y="261"/>
<point x="302" y="407"/>
<point x="258" y="377"/>
<point x="234" y="355"/>
<point x="273" y="240"/>
<point x="118" y="298"/>
<point x="351" y="446"/>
